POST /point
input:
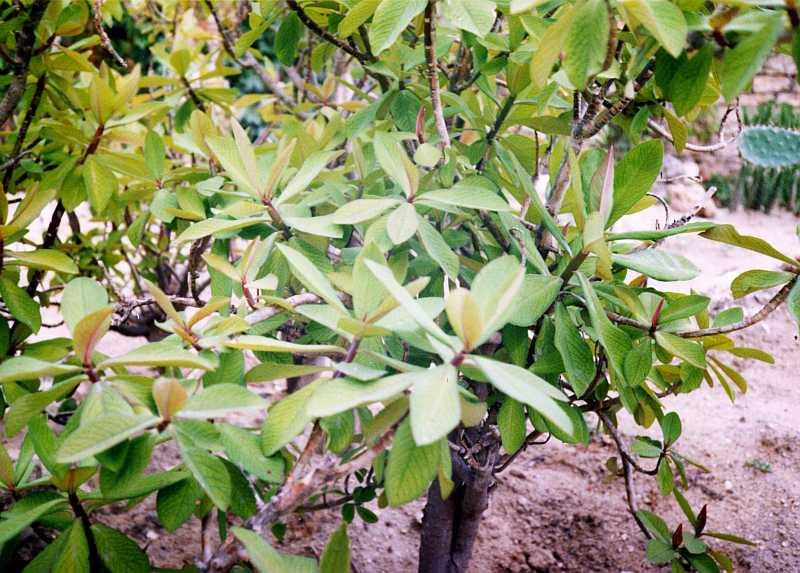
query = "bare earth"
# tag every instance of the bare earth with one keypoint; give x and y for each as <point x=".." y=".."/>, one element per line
<point x="556" y="509"/>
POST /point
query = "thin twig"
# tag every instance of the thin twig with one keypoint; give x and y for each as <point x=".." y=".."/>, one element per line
<point x="660" y="130"/>
<point x="105" y="41"/>
<point x="433" y="74"/>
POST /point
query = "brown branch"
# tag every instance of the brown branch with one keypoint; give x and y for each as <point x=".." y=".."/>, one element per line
<point x="363" y="58"/>
<point x="249" y="61"/>
<point x="26" y="38"/>
<point x="17" y="153"/>
<point x="765" y="311"/>
<point x="105" y="41"/>
<point x="604" y="117"/>
<point x="630" y="486"/>
<point x="433" y="75"/>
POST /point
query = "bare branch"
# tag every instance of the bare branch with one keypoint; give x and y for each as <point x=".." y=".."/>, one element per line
<point x="26" y="38"/>
<point x="660" y="130"/>
<point x="105" y="41"/>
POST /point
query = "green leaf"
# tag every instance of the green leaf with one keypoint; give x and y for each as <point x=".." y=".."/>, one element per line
<point x="587" y="42"/>
<point x="175" y="504"/>
<point x="614" y="340"/>
<point x="342" y="394"/>
<point x="355" y="16"/>
<point x="659" y="552"/>
<point x="685" y="349"/>
<point x="20" y="304"/>
<point x="437" y="247"/>
<point x="511" y="423"/>
<point x="101" y="184"/>
<point x="575" y="353"/>
<point x="390" y="19"/>
<point x="550" y="46"/>
<point x="74" y="555"/>
<point x="311" y="167"/>
<point x="670" y="428"/>
<point x="221" y="400"/>
<point x="119" y="553"/>
<point x="390" y="155"/>
<point x="165" y="353"/>
<point x="527" y="388"/>
<point x="476" y="16"/>
<point x="533" y="299"/>
<point x="361" y="210"/>
<point x="658" y="264"/>
<point x="468" y="194"/>
<point x="213" y="226"/>
<point x="47" y="259"/>
<point x="741" y="64"/>
<point x="89" y="331"/>
<point x="792" y="303"/>
<point x="268" y="371"/>
<point x="81" y="296"/>
<point x="689" y="82"/>
<point x="154" y="153"/>
<point x="402" y="296"/>
<point x="752" y="281"/>
<point x="267" y="560"/>
<point x="402" y="223"/>
<point x="210" y="473"/>
<point x="728" y="234"/>
<point x="264" y="344"/>
<point x="286" y="419"/>
<point x="336" y="557"/>
<point x="410" y="468"/>
<point x="26" y="368"/>
<point x="287" y="39"/>
<point x="663" y="19"/>
<point x="311" y="277"/>
<point x="637" y="363"/>
<point x="435" y="405"/>
<point x="227" y="152"/>
<point x="497" y="292"/>
<point x="654" y="525"/>
<point x="26" y="407"/>
<point x="100" y="434"/>
<point x="659" y="234"/>
<point x="244" y="450"/>
<point x="16" y="521"/>
<point x="634" y="177"/>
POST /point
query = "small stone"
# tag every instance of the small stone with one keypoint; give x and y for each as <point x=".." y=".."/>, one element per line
<point x="151" y="535"/>
<point x="728" y="485"/>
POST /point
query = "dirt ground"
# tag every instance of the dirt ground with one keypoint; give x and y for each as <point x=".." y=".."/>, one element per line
<point x="556" y="509"/>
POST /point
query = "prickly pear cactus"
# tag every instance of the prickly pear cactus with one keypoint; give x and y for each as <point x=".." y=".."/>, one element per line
<point x="768" y="146"/>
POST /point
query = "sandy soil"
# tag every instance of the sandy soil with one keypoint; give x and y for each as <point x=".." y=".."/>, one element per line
<point x="556" y="509"/>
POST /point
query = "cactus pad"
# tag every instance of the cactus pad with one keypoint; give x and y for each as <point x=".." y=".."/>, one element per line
<point x="768" y="146"/>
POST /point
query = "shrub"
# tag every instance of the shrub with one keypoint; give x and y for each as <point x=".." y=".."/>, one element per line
<point x="377" y="228"/>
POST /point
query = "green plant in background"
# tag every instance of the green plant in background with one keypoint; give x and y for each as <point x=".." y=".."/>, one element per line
<point x="376" y="231"/>
<point x="770" y="147"/>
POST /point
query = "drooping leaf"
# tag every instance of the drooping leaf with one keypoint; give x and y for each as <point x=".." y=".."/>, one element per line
<point x="410" y="468"/>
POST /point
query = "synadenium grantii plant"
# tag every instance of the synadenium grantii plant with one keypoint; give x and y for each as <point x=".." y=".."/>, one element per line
<point x="372" y="224"/>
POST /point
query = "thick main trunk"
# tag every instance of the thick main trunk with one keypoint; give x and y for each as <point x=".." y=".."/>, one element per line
<point x="437" y="531"/>
<point x="450" y="527"/>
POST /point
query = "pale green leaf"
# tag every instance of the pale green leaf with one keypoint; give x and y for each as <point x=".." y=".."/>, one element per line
<point x="658" y="264"/>
<point x="435" y="405"/>
<point x="410" y="468"/>
<point x="165" y="353"/>
<point x="311" y="277"/>
<point x="221" y="400"/>
<point x="100" y="434"/>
